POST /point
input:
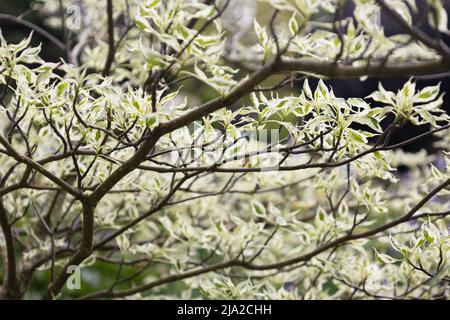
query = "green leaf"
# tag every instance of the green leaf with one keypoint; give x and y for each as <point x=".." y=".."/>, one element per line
<point x="142" y="23"/>
<point x="427" y="94"/>
<point x="293" y="25"/>
<point x="307" y="89"/>
<point x="384" y="258"/>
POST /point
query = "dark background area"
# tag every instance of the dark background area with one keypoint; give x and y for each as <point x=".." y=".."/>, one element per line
<point x="14" y="32"/>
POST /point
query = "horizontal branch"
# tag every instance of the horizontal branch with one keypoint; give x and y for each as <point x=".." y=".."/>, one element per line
<point x="339" y="70"/>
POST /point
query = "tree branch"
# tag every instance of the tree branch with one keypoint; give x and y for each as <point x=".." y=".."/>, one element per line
<point x="111" y="46"/>
<point x="82" y="253"/>
<point x="11" y="286"/>
<point x="39" y="168"/>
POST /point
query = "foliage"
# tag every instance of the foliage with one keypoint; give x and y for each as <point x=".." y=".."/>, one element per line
<point x="112" y="157"/>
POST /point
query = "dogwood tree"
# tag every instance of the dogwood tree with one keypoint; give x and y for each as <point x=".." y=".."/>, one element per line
<point x="182" y="145"/>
